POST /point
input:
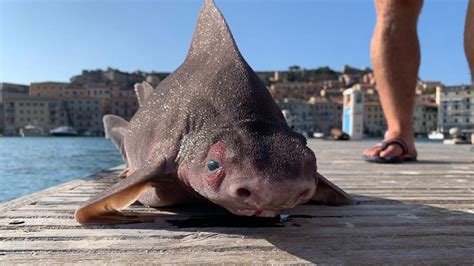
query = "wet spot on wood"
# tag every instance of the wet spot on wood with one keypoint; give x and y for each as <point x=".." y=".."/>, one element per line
<point x="226" y="221"/>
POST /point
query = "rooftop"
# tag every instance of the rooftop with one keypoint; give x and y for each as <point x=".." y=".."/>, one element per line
<point x="408" y="213"/>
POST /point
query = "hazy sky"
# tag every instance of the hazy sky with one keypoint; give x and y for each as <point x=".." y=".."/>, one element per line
<point x="56" y="39"/>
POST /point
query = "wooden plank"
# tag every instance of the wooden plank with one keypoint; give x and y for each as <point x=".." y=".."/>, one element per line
<point x="408" y="213"/>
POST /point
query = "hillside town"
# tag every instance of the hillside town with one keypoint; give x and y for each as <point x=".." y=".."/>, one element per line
<point x="311" y="100"/>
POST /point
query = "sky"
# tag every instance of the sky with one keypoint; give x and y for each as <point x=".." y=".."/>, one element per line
<point x="52" y="40"/>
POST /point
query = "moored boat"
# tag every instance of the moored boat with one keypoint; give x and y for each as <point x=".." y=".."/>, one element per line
<point x="436" y="135"/>
<point x="63" y="131"/>
<point x="31" y="131"/>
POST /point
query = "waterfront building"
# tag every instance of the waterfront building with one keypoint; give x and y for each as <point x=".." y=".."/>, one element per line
<point x="326" y="113"/>
<point x="48" y="89"/>
<point x="313" y="99"/>
<point x="8" y="91"/>
<point x="425" y="116"/>
<point x="374" y="119"/>
<point x="58" y="90"/>
<point x="298" y="115"/>
<point x="369" y="78"/>
<point x="73" y="90"/>
<point x="456" y="108"/>
<point x="276" y="77"/>
<point x="350" y="76"/>
<point x="294" y="90"/>
<point x="85" y="115"/>
<point x="98" y="91"/>
<point x="43" y="112"/>
<point x="123" y="102"/>
<point x="427" y="87"/>
<point x="114" y="77"/>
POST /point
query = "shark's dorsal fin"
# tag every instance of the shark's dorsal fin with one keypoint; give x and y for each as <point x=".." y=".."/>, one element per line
<point x="215" y="68"/>
<point x="143" y="91"/>
<point x="212" y="35"/>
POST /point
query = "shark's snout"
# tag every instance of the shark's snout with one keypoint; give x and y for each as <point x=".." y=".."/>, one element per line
<point x="251" y="195"/>
<point x="256" y="194"/>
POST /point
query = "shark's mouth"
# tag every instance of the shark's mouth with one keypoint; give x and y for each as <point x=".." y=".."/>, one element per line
<point x="257" y="213"/>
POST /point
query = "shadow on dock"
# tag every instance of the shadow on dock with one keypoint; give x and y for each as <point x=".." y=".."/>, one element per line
<point x="374" y="230"/>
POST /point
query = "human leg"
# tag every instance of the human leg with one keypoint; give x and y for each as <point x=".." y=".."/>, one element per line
<point x="469" y="37"/>
<point x="395" y="55"/>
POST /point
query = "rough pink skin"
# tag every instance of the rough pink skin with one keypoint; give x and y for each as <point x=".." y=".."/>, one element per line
<point x="215" y="107"/>
<point x="242" y="189"/>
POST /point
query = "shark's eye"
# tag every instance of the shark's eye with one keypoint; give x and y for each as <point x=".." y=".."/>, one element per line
<point x="212" y="165"/>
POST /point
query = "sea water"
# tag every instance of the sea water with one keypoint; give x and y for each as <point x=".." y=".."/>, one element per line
<point x="32" y="164"/>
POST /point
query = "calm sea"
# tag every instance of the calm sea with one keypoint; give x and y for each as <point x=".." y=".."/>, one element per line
<point x="31" y="164"/>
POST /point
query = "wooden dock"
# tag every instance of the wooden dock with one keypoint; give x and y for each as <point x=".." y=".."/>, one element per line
<point x="409" y="213"/>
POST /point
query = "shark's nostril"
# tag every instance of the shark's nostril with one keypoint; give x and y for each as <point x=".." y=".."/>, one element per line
<point x="243" y="193"/>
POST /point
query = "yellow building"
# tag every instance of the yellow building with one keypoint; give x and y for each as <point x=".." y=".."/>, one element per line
<point x="374" y="119"/>
<point x="326" y="113"/>
<point x="48" y="89"/>
<point x="8" y="91"/>
<point x="43" y="112"/>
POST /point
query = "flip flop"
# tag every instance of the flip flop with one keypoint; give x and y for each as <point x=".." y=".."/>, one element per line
<point x="404" y="157"/>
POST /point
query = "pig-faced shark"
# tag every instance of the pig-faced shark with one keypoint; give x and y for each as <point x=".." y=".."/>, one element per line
<point x="210" y="131"/>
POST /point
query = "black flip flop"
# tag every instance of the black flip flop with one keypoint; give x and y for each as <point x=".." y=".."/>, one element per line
<point x="404" y="157"/>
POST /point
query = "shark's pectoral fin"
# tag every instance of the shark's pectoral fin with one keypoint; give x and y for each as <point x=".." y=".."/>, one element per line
<point x="106" y="211"/>
<point x="105" y="207"/>
<point x="115" y="130"/>
<point x="143" y="91"/>
<point x="328" y="193"/>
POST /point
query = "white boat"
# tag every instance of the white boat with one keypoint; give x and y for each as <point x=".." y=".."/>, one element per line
<point x="436" y="135"/>
<point x="318" y="135"/>
<point x="63" y="131"/>
<point x="31" y="131"/>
